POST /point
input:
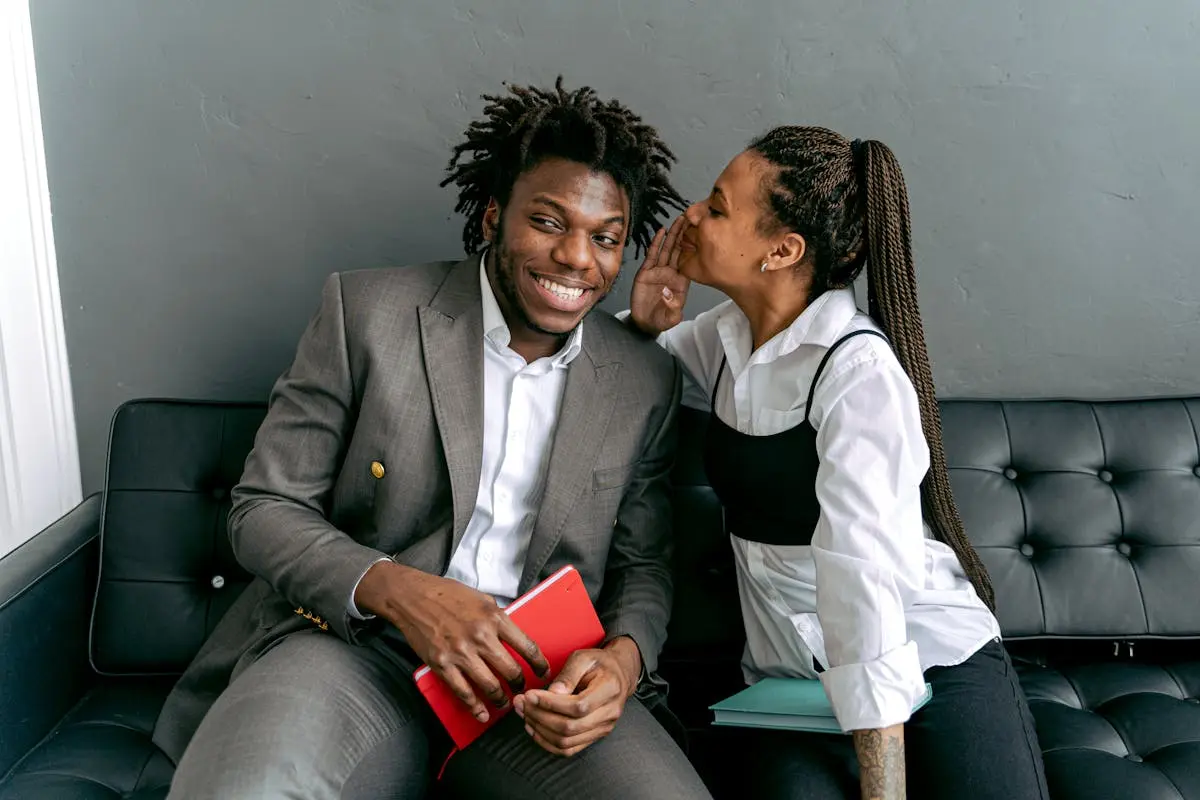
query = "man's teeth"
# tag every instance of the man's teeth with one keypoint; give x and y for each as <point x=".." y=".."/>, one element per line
<point x="565" y="292"/>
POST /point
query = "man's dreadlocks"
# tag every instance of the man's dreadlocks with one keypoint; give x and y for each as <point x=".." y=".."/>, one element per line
<point x="530" y="125"/>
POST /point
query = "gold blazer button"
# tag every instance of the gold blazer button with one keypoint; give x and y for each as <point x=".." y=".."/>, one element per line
<point x="377" y="469"/>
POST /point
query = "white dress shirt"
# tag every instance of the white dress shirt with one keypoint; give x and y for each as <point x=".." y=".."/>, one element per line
<point x="874" y="598"/>
<point x="520" y="414"/>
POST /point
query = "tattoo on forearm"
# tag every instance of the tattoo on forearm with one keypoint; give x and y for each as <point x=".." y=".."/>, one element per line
<point x="881" y="763"/>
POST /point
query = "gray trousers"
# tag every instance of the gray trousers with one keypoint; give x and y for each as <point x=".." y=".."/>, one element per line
<point x="315" y="717"/>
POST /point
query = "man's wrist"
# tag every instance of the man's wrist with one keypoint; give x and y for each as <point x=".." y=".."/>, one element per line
<point x="629" y="657"/>
<point x="380" y="588"/>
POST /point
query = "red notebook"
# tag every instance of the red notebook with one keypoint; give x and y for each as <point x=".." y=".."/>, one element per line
<point x="558" y="615"/>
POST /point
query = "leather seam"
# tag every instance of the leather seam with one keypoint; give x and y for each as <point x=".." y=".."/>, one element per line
<point x="1120" y="733"/>
<point x="1095" y="713"/>
<point x="185" y="581"/>
<point x="83" y="778"/>
<point x="145" y="765"/>
<point x="46" y="572"/>
<point x="1037" y="579"/>
<point x="1195" y="432"/>
<point x="106" y="723"/>
<point x="1183" y="695"/>
<point x="1163" y="772"/>
<point x="186" y="490"/>
<point x="1078" y="694"/>
<point x="12" y="772"/>
<point x="105" y="498"/>
<point x="1121" y="518"/>
<point x="212" y="551"/>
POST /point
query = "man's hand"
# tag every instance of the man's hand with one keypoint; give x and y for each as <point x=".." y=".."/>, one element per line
<point x="585" y="701"/>
<point x="454" y="629"/>
<point x="659" y="289"/>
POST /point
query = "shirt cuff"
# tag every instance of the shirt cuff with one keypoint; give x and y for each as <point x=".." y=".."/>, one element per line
<point x="351" y="608"/>
<point x="876" y="694"/>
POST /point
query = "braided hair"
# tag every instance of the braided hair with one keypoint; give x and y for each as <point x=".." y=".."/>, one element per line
<point x="529" y="125"/>
<point x="848" y="201"/>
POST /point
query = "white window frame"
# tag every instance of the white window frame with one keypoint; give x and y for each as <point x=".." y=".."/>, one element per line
<point x="39" y="452"/>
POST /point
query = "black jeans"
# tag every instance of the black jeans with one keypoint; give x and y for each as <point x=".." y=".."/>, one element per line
<point x="974" y="740"/>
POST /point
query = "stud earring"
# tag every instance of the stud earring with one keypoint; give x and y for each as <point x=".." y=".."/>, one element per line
<point x="763" y="268"/>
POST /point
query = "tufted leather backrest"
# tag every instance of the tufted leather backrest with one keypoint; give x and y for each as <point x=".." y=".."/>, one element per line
<point x="1087" y="515"/>
<point x="167" y="573"/>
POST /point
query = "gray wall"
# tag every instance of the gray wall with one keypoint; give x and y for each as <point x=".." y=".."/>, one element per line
<point x="210" y="162"/>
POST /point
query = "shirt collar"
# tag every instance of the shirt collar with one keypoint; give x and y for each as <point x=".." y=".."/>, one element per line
<point x="496" y="329"/>
<point x="821" y="324"/>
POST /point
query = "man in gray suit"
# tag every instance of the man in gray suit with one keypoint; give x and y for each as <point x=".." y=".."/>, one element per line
<point x="446" y="436"/>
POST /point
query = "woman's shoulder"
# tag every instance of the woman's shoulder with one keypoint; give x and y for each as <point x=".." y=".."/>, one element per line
<point x="865" y="382"/>
<point x="703" y="331"/>
<point x="709" y="317"/>
<point x="861" y="344"/>
<point x="862" y="365"/>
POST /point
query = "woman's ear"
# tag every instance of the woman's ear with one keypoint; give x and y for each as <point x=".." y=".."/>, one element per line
<point x="491" y="220"/>
<point x="788" y="252"/>
<point x="792" y="249"/>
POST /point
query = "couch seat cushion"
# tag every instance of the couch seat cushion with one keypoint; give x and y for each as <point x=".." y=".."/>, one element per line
<point x="101" y="750"/>
<point x="1118" y="730"/>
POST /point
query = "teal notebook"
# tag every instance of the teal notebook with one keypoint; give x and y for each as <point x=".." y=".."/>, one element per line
<point x="794" y="704"/>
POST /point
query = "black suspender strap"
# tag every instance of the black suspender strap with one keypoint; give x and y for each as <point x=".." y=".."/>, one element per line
<point x="712" y="400"/>
<point x="812" y="390"/>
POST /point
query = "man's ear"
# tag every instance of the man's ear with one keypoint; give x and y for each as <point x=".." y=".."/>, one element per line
<point x="491" y="220"/>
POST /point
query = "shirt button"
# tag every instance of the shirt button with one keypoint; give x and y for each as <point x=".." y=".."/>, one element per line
<point x="217" y="581"/>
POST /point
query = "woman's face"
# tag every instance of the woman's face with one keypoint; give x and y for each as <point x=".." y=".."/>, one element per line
<point x="723" y="245"/>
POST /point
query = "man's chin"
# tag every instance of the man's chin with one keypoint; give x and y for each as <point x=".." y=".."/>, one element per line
<point x="557" y="326"/>
<point x="553" y="322"/>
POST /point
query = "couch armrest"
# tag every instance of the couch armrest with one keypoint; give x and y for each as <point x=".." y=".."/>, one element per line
<point x="46" y="590"/>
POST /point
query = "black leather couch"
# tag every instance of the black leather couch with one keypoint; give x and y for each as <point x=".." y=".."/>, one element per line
<point x="1087" y="514"/>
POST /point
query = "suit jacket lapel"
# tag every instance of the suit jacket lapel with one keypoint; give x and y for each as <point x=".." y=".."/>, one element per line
<point x="587" y="407"/>
<point x="452" y="343"/>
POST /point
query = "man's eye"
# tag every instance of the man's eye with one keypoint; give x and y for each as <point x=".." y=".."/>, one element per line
<point x="545" y="222"/>
<point x="607" y="241"/>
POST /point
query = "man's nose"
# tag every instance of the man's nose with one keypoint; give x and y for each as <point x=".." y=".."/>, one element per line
<point x="574" y="250"/>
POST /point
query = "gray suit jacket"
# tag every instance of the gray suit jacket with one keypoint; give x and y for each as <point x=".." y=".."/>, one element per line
<point x="390" y="372"/>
